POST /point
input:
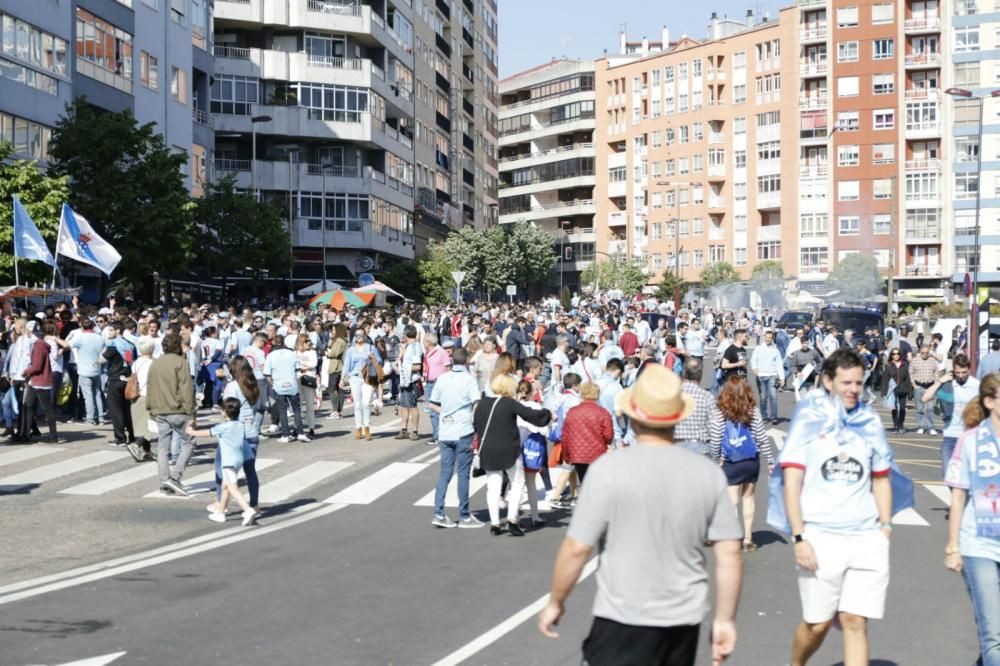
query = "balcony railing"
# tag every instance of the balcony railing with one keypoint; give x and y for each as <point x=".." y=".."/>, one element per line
<point x="920" y="94"/>
<point x="813" y="171"/>
<point x="714" y="138"/>
<point x="930" y="270"/>
<point x="923" y="59"/>
<point x="234" y="52"/>
<point x="334" y="62"/>
<point x="813" y="101"/>
<point x="811" y="3"/>
<point x="812" y="68"/>
<point x="617" y="219"/>
<point x="338" y="171"/>
<point x="923" y="165"/>
<point x="550" y="151"/>
<point x="203" y="118"/>
<point x="813" y="34"/>
<point x="916" y="23"/>
<point x="231" y="166"/>
<point x="923" y="235"/>
<point x="716" y="202"/>
<point x="932" y="126"/>
<point x="334" y="7"/>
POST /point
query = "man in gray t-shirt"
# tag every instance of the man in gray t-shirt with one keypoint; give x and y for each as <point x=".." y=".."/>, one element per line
<point x="648" y="509"/>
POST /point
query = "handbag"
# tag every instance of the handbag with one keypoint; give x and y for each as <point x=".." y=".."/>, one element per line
<point x="477" y="463"/>
<point x="131" y="387"/>
<point x="308" y="381"/>
<point x="65" y="390"/>
<point x="374" y="371"/>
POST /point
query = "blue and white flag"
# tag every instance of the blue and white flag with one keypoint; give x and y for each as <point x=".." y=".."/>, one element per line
<point x="78" y="240"/>
<point x="28" y="243"/>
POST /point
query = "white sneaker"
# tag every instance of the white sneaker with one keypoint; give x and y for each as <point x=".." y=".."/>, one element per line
<point x="284" y="440"/>
<point x="217" y="517"/>
<point x="920" y="431"/>
<point x="271" y="429"/>
<point x="249" y="517"/>
<point x="932" y="431"/>
<point x="304" y="438"/>
<point x="212" y="508"/>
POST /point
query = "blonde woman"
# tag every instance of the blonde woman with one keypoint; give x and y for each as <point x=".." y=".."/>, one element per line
<point x="308" y="380"/>
<point x="140" y="449"/>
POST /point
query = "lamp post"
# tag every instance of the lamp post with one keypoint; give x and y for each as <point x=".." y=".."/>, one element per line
<point x="324" y="166"/>
<point x="253" y="148"/>
<point x="974" y="305"/>
<point x="677" y="236"/>
<point x="562" y="253"/>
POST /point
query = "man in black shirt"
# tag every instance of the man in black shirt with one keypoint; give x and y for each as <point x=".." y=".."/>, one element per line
<point x="734" y="361"/>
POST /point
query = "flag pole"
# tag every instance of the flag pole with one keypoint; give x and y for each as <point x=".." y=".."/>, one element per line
<point x="55" y="257"/>
<point x="13" y="210"/>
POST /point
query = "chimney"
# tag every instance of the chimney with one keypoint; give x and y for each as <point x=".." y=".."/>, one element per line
<point x="645" y="45"/>
<point x="749" y="18"/>
<point x="665" y="36"/>
<point x="713" y="26"/>
<point x="621" y="41"/>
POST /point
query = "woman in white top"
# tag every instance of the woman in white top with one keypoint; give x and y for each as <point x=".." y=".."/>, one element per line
<point x="140" y="450"/>
<point x="308" y="363"/>
<point x="484" y="362"/>
<point x="524" y="391"/>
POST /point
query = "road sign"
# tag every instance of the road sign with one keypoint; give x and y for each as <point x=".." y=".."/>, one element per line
<point x="366" y="279"/>
<point x="511" y="290"/>
<point x="458" y="276"/>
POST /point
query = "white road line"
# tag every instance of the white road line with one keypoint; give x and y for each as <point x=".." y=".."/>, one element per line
<point x="103" y="660"/>
<point x="388" y="426"/>
<point x="909" y="517"/>
<point x="425" y="456"/>
<point x="281" y="489"/>
<point x="27" y="453"/>
<point x="941" y="491"/>
<point x="370" y="488"/>
<point x="114" y="481"/>
<point x="45" y="473"/>
<point x="778" y="437"/>
<point x="491" y="636"/>
<point x="476" y="483"/>
<point x="156" y="556"/>
<point x="205" y="483"/>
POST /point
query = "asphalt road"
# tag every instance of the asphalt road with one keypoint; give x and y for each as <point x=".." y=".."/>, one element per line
<point x="348" y="570"/>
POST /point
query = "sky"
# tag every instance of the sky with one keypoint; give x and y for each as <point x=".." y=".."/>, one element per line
<point x="533" y="32"/>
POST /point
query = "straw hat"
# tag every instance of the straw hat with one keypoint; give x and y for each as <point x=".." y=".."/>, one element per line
<point x="655" y="400"/>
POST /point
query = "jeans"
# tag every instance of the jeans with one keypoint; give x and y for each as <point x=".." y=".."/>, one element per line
<point x="768" y="390"/>
<point x="393" y="380"/>
<point x="90" y="387"/>
<point x="282" y="403"/>
<point x="947" y="449"/>
<point x="925" y="411"/>
<point x="308" y="400"/>
<point x="982" y="579"/>
<point x="899" y="413"/>
<point x="361" y="394"/>
<point x="336" y="393"/>
<point x="434" y="416"/>
<point x="167" y="426"/>
<point x="456" y="456"/>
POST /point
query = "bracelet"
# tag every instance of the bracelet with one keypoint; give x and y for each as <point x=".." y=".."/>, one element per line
<point x="886" y="526"/>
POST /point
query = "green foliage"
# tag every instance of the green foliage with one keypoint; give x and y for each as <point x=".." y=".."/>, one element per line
<point x="618" y="273"/>
<point x="856" y="276"/>
<point x="129" y="185"/>
<point x="719" y="274"/>
<point x="435" y="270"/>
<point x="405" y="277"/>
<point x="666" y="290"/>
<point x="954" y="310"/>
<point x="234" y="232"/>
<point x="518" y="254"/>
<point x="42" y="196"/>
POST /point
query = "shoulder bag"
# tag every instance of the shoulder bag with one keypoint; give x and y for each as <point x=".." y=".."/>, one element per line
<point x="477" y="463"/>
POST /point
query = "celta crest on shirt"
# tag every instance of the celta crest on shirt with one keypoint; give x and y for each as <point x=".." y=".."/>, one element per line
<point x="822" y="414"/>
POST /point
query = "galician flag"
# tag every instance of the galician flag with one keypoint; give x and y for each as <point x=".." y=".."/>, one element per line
<point x="78" y="240"/>
<point x="28" y="243"/>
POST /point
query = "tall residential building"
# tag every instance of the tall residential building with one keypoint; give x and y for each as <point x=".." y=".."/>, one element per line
<point x="547" y="156"/>
<point x="361" y="119"/>
<point x="152" y="57"/>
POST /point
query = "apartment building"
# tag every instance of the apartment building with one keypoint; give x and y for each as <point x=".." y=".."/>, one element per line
<point x="149" y="56"/>
<point x="547" y="158"/>
<point x="361" y="119"/>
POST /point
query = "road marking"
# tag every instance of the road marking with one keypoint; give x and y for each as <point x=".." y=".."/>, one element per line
<point x="484" y="640"/>
<point x="476" y="484"/>
<point x="909" y="517"/>
<point x="941" y="491"/>
<point x="103" y="660"/>
<point x="375" y="485"/>
<point x="922" y="463"/>
<point x="205" y="483"/>
<point x="425" y="456"/>
<point x="388" y="426"/>
<point x="100" y="571"/>
<point x="919" y="446"/>
<point x="27" y="453"/>
<point x="40" y="475"/>
<point x="114" y="481"/>
<point x="281" y="489"/>
<point x="778" y="436"/>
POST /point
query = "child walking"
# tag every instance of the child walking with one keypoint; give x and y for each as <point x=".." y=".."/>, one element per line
<point x="231" y="434"/>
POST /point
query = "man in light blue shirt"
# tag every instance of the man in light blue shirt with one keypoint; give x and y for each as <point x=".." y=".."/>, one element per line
<point x="610" y="384"/>
<point x="608" y="349"/>
<point x="769" y="369"/>
<point x="282" y="367"/>
<point x="991" y="362"/>
<point x="89" y="345"/>
<point x="454" y="396"/>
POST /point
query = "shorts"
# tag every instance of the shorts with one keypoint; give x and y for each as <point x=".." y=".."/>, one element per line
<point x="612" y="643"/>
<point x="852" y="575"/>
<point x="230" y="475"/>
<point x="407" y="397"/>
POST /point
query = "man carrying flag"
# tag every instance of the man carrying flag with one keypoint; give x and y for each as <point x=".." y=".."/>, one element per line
<point x="78" y="240"/>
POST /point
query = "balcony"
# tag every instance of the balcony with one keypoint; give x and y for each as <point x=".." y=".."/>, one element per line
<point x="923" y="270"/>
<point x="716" y="233"/>
<point x="551" y="209"/>
<point x="921" y="94"/>
<point x="813" y="171"/>
<point x="274" y="175"/>
<point x="559" y="151"/>
<point x="923" y="60"/>
<point x="716" y="138"/>
<point x="716" y="171"/>
<point x="916" y="25"/>
<point x="334" y="7"/>
<point x="930" y="236"/>
<point x="617" y="247"/>
<point x="618" y="219"/>
<point x="356" y="235"/>
<point x="812" y="35"/>
<point x="806" y="4"/>
<point x="769" y="232"/>
<point x="716" y="202"/>
<point x="924" y="165"/>
<point x="203" y="118"/>
<point x="813" y="102"/>
<point x="812" y="68"/>
<point x="924" y="130"/>
<point x="768" y="133"/>
<point x="768" y="200"/>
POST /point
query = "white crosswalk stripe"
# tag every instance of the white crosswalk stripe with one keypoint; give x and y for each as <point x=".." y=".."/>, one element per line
<point x="205" y="483"/>
<point x="40" y="475"/>
<point x="378" y="484"/>
<point x="942" y="492"/>
<point x="114" y="481"/>
<point x="291" y="484"/>
<point x="909" y="517"/>
<point x="27" y="453"/>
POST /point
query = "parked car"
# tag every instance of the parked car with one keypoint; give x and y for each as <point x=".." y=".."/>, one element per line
<point x="795" y="319"/>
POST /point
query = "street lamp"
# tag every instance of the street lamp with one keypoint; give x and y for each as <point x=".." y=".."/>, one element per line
<point x="677" y="236"/>
<point x="562" y="253"/>
<point x="253" y="147"/>
<point x="324" y="166"/>
<point x="974" y="307"/>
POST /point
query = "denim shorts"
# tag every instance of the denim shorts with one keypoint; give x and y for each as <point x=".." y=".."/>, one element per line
<point x="407" y="397"/>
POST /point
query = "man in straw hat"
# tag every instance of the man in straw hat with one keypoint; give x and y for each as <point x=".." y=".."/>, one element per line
<point x="649" y="509"/>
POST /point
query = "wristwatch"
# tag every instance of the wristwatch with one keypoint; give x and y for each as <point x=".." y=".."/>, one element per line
<point x="797" y="538"/>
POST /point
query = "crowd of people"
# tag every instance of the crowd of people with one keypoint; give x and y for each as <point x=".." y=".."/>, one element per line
<point x="517" y="392"/>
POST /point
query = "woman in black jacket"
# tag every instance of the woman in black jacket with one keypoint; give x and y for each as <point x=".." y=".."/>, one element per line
<point x="500" y="448"/>
<point x="897" y="370"/>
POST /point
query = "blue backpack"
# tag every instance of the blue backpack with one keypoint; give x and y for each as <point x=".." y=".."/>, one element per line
<point x="737" y="442"/>
<point x="533" y="452"/>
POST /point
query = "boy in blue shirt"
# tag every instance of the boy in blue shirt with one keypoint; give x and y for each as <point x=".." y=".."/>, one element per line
<point x="231" y="433"/>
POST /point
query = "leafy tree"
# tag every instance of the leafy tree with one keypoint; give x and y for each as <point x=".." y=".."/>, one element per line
<point x="128" y="184"/>
<point x="667" y="289"/>
<point x="768" y="278"/>
<point x="434" y="270"/>
<point x="404" y="277"/>
<point x="856" y="276"/>
<point x="532" y="253"/>
<point x="235" y="231"/>
<point x="519" y="254"/>
<point x="619" y="273"/>
<point x="718" y="274"/>
<point x="42" y="196"/>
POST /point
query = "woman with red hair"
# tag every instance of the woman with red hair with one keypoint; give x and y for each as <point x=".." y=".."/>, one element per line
<point x="737" y="438"/>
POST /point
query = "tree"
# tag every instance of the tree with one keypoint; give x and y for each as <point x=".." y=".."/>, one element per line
<point x="404" y="277"/>
<point x="532" y="253"/>
<point x="768" y="280"/>
<point x="619" y="273"/>
<point x="42" y="197"/>
<point x="518" y="254"/>
<point x="719" y="274"/>
<point x="434" y="270"/>
<point x="235" y="232"/>
<point x="669" y="283"/>
<point x="129" y="185"/>
<point x="857" y="277"/>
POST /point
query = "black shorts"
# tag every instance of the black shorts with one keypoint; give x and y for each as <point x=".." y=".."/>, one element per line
<point x="611" y="643"/>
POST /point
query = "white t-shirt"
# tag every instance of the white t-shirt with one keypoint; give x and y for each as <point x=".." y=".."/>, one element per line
<point x="559" y="358"/>
<point x="963" y="396"/>
<point x="256" y="358"/>
<point x="694" y="341"/>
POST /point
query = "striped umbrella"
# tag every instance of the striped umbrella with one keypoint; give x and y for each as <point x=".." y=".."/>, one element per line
<point x="340" y="298"/>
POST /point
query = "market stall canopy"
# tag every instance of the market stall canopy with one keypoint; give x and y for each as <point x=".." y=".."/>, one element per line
<point x="379" y="288"/>
<point x="340" y="298"/>
<point x="319" y="288"/>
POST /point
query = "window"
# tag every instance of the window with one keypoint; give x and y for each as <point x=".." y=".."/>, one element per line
<point x="341" y="104"/>
<point x="684" y="134"/>
<point x="33" y="46"/>
<point x="178" y="84"/>
<point x="698" y="163"/>
<point x="696" y="67"/>
<point x="921" y="186"/>
<point x="848" y="190"/>
<point x="813" y="260"/>
<point x="967" y="256"/>
<point x="656" y="77"/>
<point x="29" y="139"/>
<point x="966" y="39"/>
<point x="770" y="150"/>
<point x="682" y="166"/>
<point x="883" y="84"/>
<point x="882" y="49"/>
<point x="813" y="225"/>
<point x="966" y="149"/>
<point x="847" y="51"/>
<point x="616" y="175"/>
<point x="739" y="191"/>
<point x="682" y="103"/>
<point x="697" y="226"/>
<point x="739" y="159"/>
<point x="671" y="167"/>
<point x="849" y="155"/>
<point x="769" y="184"/>
<point x="883" y="119"/>
<point x="923" y="224"/>
<point x="697" y="131"/>
<point x="657" y="231"/>
<point x="103" y="51"/>
<point x="149" y="71"/>
<point x="739" y="94"/>
<point x="924" y="115"/>
<point x="740" y="125"/>
<point x="740" y="60"/>
<point x="716" y="253"/>
<point x="967" y="74"/>
<point x="883" y="153"/>
<point x="847" y="86"/>
<point x="882" y="224"/>
<point x="682" y="71"/>
<point x="966" y="185"/>
<point x="740" y="256"/>
<point x="848" y="225"/>
<point x="740" y="224"/>
<point x="343" y="212"/>
<point x="847" y="121"/>
<point x="234" y="95"/>
<point x="768" y="250"/>
<point x="699" y="258"/>
<point x="882" y="13"/>
<point x="847" y="17"/>
<point x="668" y="73"/>
<point x="670" y="135"/>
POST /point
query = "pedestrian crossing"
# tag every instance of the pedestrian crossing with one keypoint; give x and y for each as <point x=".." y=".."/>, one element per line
<point x="113" y="473"/>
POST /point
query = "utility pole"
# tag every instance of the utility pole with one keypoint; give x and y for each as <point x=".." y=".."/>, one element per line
<point x="893" y="245"/>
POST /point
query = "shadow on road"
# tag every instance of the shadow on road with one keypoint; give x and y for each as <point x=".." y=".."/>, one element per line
<point x="59" y="629"/>
<point x="767" y="537"/>
<point x="19" y="490"/>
